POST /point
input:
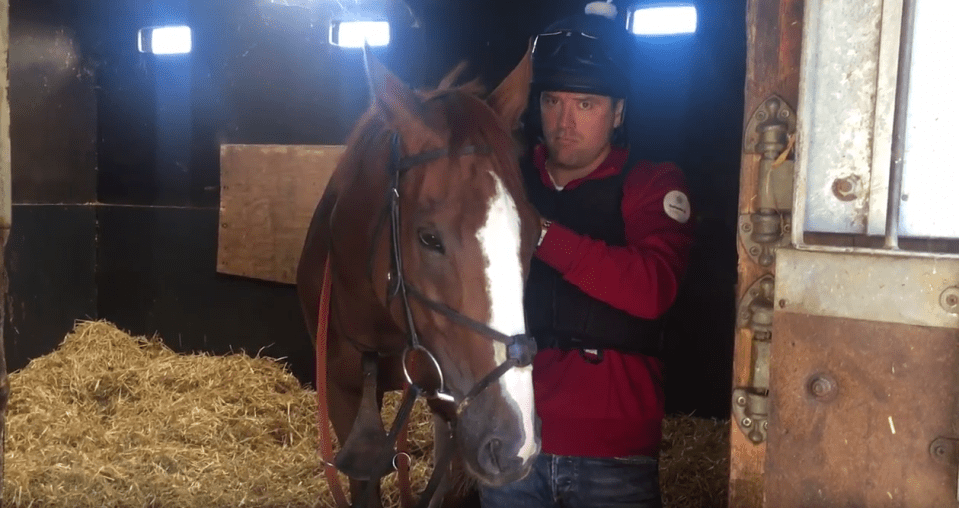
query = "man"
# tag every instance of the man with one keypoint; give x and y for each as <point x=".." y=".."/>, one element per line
<point x="615" y="243"/>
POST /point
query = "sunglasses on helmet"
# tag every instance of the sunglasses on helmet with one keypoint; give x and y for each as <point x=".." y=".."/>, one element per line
<point x="569" y="44"/>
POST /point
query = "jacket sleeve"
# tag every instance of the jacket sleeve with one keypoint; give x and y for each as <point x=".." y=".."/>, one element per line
<point x="643" y="277"/>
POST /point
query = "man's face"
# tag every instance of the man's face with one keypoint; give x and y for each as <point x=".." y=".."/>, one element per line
<point x="577" y="127"/>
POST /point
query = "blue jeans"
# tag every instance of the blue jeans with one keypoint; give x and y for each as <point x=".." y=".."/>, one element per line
<point x="581" y="482"/>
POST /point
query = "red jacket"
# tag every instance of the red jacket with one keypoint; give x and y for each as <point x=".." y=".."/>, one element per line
<point x="615" y="407"/>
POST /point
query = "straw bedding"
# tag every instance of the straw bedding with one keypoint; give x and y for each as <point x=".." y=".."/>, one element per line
<point x="110" y="420"/>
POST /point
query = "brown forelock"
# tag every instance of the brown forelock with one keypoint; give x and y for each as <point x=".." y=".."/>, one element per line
<point x="470" y="121"/>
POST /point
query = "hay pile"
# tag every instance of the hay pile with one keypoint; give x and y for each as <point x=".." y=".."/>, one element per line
<point x="109" y="420"/>
<point x="694" y="462"/>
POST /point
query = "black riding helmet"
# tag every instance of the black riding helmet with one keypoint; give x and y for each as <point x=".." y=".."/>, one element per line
<point x="587" y="53"/>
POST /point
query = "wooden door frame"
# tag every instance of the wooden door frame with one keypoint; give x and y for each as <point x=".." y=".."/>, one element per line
<point x="773" y="52"/>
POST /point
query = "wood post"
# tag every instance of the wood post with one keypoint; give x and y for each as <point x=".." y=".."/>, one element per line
<point x="6" y="219"/>
<point x="774" y="41"/>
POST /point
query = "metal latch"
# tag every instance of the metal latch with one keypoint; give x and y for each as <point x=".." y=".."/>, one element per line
<point x="771" y="133"/>
<point x="751" y="403"/>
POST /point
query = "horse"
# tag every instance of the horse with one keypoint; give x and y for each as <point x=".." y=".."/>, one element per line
<point x="426" y="234"/>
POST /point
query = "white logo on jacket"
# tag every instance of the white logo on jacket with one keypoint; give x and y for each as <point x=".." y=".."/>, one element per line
<point x="676" y="205"/>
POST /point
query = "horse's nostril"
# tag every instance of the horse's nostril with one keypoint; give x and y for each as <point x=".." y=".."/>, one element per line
<point x="494" y="458"/>
<point x="493" y="447"/>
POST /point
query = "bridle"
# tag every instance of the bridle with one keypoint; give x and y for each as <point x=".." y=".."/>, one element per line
<point x="520" y="348"/>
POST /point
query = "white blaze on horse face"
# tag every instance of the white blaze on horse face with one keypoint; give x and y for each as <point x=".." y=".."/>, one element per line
<point x="499" y="238"/>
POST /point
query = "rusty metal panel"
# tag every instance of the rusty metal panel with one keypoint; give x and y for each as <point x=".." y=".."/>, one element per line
<point x="267" y="197"/>
<point x="856" y="406"/>
<point x="893" y="289"/>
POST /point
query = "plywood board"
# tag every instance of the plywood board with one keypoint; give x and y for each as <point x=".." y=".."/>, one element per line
<point x="267" y="197"/>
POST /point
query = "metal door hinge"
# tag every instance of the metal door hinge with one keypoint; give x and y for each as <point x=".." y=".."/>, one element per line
<point x="762" y="232"/>
<point x="751" y="403"/>
<point x="770" y="132"/>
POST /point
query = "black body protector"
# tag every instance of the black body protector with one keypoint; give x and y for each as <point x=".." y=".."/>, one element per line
<point x="559" y="314"/>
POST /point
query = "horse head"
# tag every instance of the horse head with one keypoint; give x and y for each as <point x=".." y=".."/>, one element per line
<point x="452" y="265"/>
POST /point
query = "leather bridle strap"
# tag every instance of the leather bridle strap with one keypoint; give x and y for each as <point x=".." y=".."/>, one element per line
<point x="403" y="462"/>
<point x="326" y="440"/>
<point x="519" y="346"/>
<point x="385" y="461"/>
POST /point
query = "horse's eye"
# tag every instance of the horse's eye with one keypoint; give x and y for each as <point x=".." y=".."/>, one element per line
<point x="431" y="241"/>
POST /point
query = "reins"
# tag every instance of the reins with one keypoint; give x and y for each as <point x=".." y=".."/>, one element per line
<point x="520" y="348"/>
<point x="326" y="441"/>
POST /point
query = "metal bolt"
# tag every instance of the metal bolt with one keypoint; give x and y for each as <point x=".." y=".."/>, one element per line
<point x="741" y="401"/>
<point x="767" y="285"/>
<point x="845" y="188"/>
<point x="949" y="300"/>
<point x="939" y="450"/>
<point x="765" y="425"/>
<point x="747" y="227"/>
<point x="782" y="303"/>
<point x="822" y="387"/>
<point x="754" y="250"/>
<point x="761" y="116"/>
<point x="747" y="422"/>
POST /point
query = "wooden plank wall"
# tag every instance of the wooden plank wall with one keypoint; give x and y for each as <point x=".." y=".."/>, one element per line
<point x="774" y="41"/>
<point x="267" y="197"/>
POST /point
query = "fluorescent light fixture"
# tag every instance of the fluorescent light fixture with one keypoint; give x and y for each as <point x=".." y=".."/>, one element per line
<point x="351" y="34"/>
<point x="165" y="40"/>
<point x="663" y="20"/>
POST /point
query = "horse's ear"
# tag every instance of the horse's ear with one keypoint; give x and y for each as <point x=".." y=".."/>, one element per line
<point x="509" y="99"/>
<point x="393" y="97"/>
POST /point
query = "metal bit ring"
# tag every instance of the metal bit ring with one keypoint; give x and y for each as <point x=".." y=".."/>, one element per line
<point x="436" y="365"/>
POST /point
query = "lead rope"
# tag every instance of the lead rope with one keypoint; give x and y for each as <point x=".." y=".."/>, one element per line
<point x="326" y="441"/>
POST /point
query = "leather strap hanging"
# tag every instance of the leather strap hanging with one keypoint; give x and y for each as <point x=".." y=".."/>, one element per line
<point x="403" y="463"/>
<point x="326" y="440"/>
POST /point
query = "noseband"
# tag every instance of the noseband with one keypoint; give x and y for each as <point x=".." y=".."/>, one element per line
<point x="520" y="348"/>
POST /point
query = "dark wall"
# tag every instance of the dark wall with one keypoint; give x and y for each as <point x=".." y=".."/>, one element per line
<point x="139" y="135"/>
<point x="51" y="254"/>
